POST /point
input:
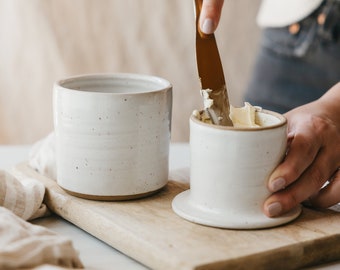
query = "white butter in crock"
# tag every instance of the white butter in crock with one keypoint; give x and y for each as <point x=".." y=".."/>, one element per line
<point x="244" y="116"/>
<point x="241" y="117"/>
<point x="207" y="101"/>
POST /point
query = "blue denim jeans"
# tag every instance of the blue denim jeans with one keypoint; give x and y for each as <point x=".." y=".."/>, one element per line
<point x="294" y="69"/>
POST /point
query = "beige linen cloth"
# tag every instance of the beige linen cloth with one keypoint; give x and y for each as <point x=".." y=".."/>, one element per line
<point x="22" y="244"/>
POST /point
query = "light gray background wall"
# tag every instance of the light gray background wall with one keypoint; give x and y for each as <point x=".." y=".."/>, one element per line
<point x="42" y="41"/>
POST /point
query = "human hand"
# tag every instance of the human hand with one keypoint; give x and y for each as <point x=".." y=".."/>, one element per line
<point x="313" y="158"/>
<point x="210" y="15"/>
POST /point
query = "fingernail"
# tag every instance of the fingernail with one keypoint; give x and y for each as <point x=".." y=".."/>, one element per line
<point x="277" y="184"/>
<point x="208" y="26"/>
<point x="274" y="209"/>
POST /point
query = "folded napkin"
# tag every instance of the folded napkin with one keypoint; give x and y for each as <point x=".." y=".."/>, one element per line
<point x="42" y="157"/>
<point x="22" y="244"/>
<point x="23" y="197"/>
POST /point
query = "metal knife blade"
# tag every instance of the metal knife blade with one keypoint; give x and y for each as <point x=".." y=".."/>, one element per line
<point x="211" y="74"/>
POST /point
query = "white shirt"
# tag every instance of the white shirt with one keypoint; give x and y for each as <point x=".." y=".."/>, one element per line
<point x="281" y="13"/>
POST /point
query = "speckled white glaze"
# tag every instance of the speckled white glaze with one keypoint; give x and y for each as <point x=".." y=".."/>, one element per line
<point x="112" y="134"/>
<point x="229" y="171"/>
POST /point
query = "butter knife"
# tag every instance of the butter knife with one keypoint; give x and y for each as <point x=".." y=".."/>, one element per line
<point x="211" y="74"/>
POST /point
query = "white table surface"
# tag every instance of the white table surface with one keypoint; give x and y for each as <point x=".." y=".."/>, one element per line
<point x="94" y="253"/>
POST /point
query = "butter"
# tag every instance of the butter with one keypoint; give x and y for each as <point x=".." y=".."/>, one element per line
<point x="207" y="101"/>
<point x="202" y="116"/>
<point x="244" y="116"/>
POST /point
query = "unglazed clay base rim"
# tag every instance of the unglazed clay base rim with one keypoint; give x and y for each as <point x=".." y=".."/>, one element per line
<point x="113" y="198"/>
<point x="184" y="208"/>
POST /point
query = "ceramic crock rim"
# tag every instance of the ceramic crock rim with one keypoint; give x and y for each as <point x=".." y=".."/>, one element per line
<point x="283" y="122"/>
<point x="163" y="83"/>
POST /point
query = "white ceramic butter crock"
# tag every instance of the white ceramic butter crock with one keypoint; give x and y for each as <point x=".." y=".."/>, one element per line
<point x="112" y="135"/>
<point x="229" y="171"/>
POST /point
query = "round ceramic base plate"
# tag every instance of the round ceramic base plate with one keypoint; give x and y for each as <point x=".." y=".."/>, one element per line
<point x="228" y="220"/>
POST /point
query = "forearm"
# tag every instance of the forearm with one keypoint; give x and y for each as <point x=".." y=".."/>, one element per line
<point x="330" y="104"/>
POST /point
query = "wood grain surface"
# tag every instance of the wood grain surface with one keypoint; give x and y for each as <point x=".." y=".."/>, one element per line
<point x="150" y="232"/>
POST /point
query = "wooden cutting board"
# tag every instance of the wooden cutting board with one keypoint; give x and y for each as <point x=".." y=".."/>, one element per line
<point x="150" y="232"/>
